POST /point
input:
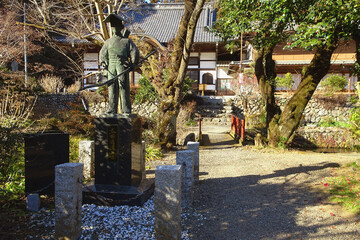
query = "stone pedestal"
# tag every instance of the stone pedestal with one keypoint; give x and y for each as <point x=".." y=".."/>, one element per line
<point x="118" y="150"/>
<point x="43" y="151"/>
<point x="119" y="166"/>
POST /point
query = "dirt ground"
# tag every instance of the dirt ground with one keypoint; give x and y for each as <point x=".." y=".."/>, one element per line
<point x="249" y="193"/>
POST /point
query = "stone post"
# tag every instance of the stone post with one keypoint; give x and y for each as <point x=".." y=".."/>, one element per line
<point x="87" y="157"/>
<point x="194" y="146"/>
<point x="33" y="202"/>
<point x="68" y="200"/>
<point x="186" y="160"/>
<point x="167" y="202"/>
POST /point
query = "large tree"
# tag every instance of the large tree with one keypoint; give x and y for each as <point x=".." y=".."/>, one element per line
<point x="315" y="25"/>
<point x="167" y="74"/>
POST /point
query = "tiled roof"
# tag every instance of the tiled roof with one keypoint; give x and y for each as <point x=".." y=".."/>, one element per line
<point x="162" y="21"/>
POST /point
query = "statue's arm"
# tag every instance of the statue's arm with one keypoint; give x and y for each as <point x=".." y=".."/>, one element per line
<point x="104" y="56"/>
<point x="134" y="53"/>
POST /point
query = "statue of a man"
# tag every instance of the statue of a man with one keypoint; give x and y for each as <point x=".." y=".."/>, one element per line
<point x="117" y="54"/>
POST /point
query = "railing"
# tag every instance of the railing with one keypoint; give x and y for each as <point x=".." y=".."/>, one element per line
<point x="237" y="128"/>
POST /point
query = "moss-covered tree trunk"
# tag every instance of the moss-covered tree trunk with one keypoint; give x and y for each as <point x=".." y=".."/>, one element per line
<point x="283" y="130"/>
<point x="356" y="37"/>
<point x="265" y="74"/>
<point x="171" y="92"/>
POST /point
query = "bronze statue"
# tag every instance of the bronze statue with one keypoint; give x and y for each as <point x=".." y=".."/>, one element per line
<point x="117" y="54"/>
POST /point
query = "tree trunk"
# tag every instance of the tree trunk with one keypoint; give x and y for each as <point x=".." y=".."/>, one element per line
<point x="171" y="92"/>
<point x="291" y="116"/>
<point x="356" y="37"/>
<point x="265" y="73"/>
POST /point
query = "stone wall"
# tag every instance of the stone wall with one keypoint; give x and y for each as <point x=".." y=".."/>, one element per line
<point x="319" y="108"/>
<point x="330" y="137"/>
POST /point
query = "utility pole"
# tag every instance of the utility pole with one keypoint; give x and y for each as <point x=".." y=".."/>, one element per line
<point x="25" y="56"/>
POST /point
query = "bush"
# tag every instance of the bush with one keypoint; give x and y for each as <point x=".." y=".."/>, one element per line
<point x="12" y="165"/>
<point x="73" y="88"/>
<point x="152" y="153"/>
<point x="74" y="147"/>
<point x="51" y="83"/>
<point x="15" y="109"/>
<point x="75" y="121"/>
<point x="355" y="121"/>
<point x="333" y="83"/>
<point x="146" y="92"/>
<point x="286" y="82"/>
<point x="331" y="122"/>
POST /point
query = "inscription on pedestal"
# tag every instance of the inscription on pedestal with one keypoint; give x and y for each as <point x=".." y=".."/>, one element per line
<point x="113" y="143"/>
<point x="117" y="140"/>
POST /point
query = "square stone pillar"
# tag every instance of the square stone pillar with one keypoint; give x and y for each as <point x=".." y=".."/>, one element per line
<point x="87" y="157"/>
<point x="68" y="200"/>
<point x="194" y="146"/>
<point x="167" y="202"/>
<point x="186" y="160"/>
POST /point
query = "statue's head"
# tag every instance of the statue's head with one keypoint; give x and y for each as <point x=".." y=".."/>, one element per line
<point x="116" y="23"/>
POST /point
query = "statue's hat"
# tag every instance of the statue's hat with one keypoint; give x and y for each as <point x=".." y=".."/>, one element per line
<point x="115" y="20"/>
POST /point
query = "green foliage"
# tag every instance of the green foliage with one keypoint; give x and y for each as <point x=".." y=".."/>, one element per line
<point x="12" y="164"/>
<point x="331" y="122"/>
<point x="191" y="122"/>
<point x="4" y="69"/>
<point x="74" y="147"/>
<point x="152" y="153"/>
<point x="355" y="121"/>
<point x="285" y="82"/>
<point x="15" y="108"/>
<point x="146" y="92"/>
<point x="325" y="20"/>
<point x="282" y="143"/>
<point x="333" y="83"/>
<point x="187" y="87"/>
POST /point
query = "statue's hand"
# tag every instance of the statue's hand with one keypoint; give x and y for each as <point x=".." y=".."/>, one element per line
<point x="105" y="73"/>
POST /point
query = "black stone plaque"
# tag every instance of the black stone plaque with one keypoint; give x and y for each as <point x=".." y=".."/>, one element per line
<point x="117" y="140"/>
<point x="43" y="151"/>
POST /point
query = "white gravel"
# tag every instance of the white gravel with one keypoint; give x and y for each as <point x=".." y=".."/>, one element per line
<point x="101" y="222"/>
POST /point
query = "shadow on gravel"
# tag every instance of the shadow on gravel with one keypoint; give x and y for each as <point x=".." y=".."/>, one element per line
<point x="242" y="208"/>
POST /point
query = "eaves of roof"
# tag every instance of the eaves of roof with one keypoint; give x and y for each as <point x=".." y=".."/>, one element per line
<point x="306" y="62"/>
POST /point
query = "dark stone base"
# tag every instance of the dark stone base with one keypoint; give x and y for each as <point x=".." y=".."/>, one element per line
<point x="115" y="195"/>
